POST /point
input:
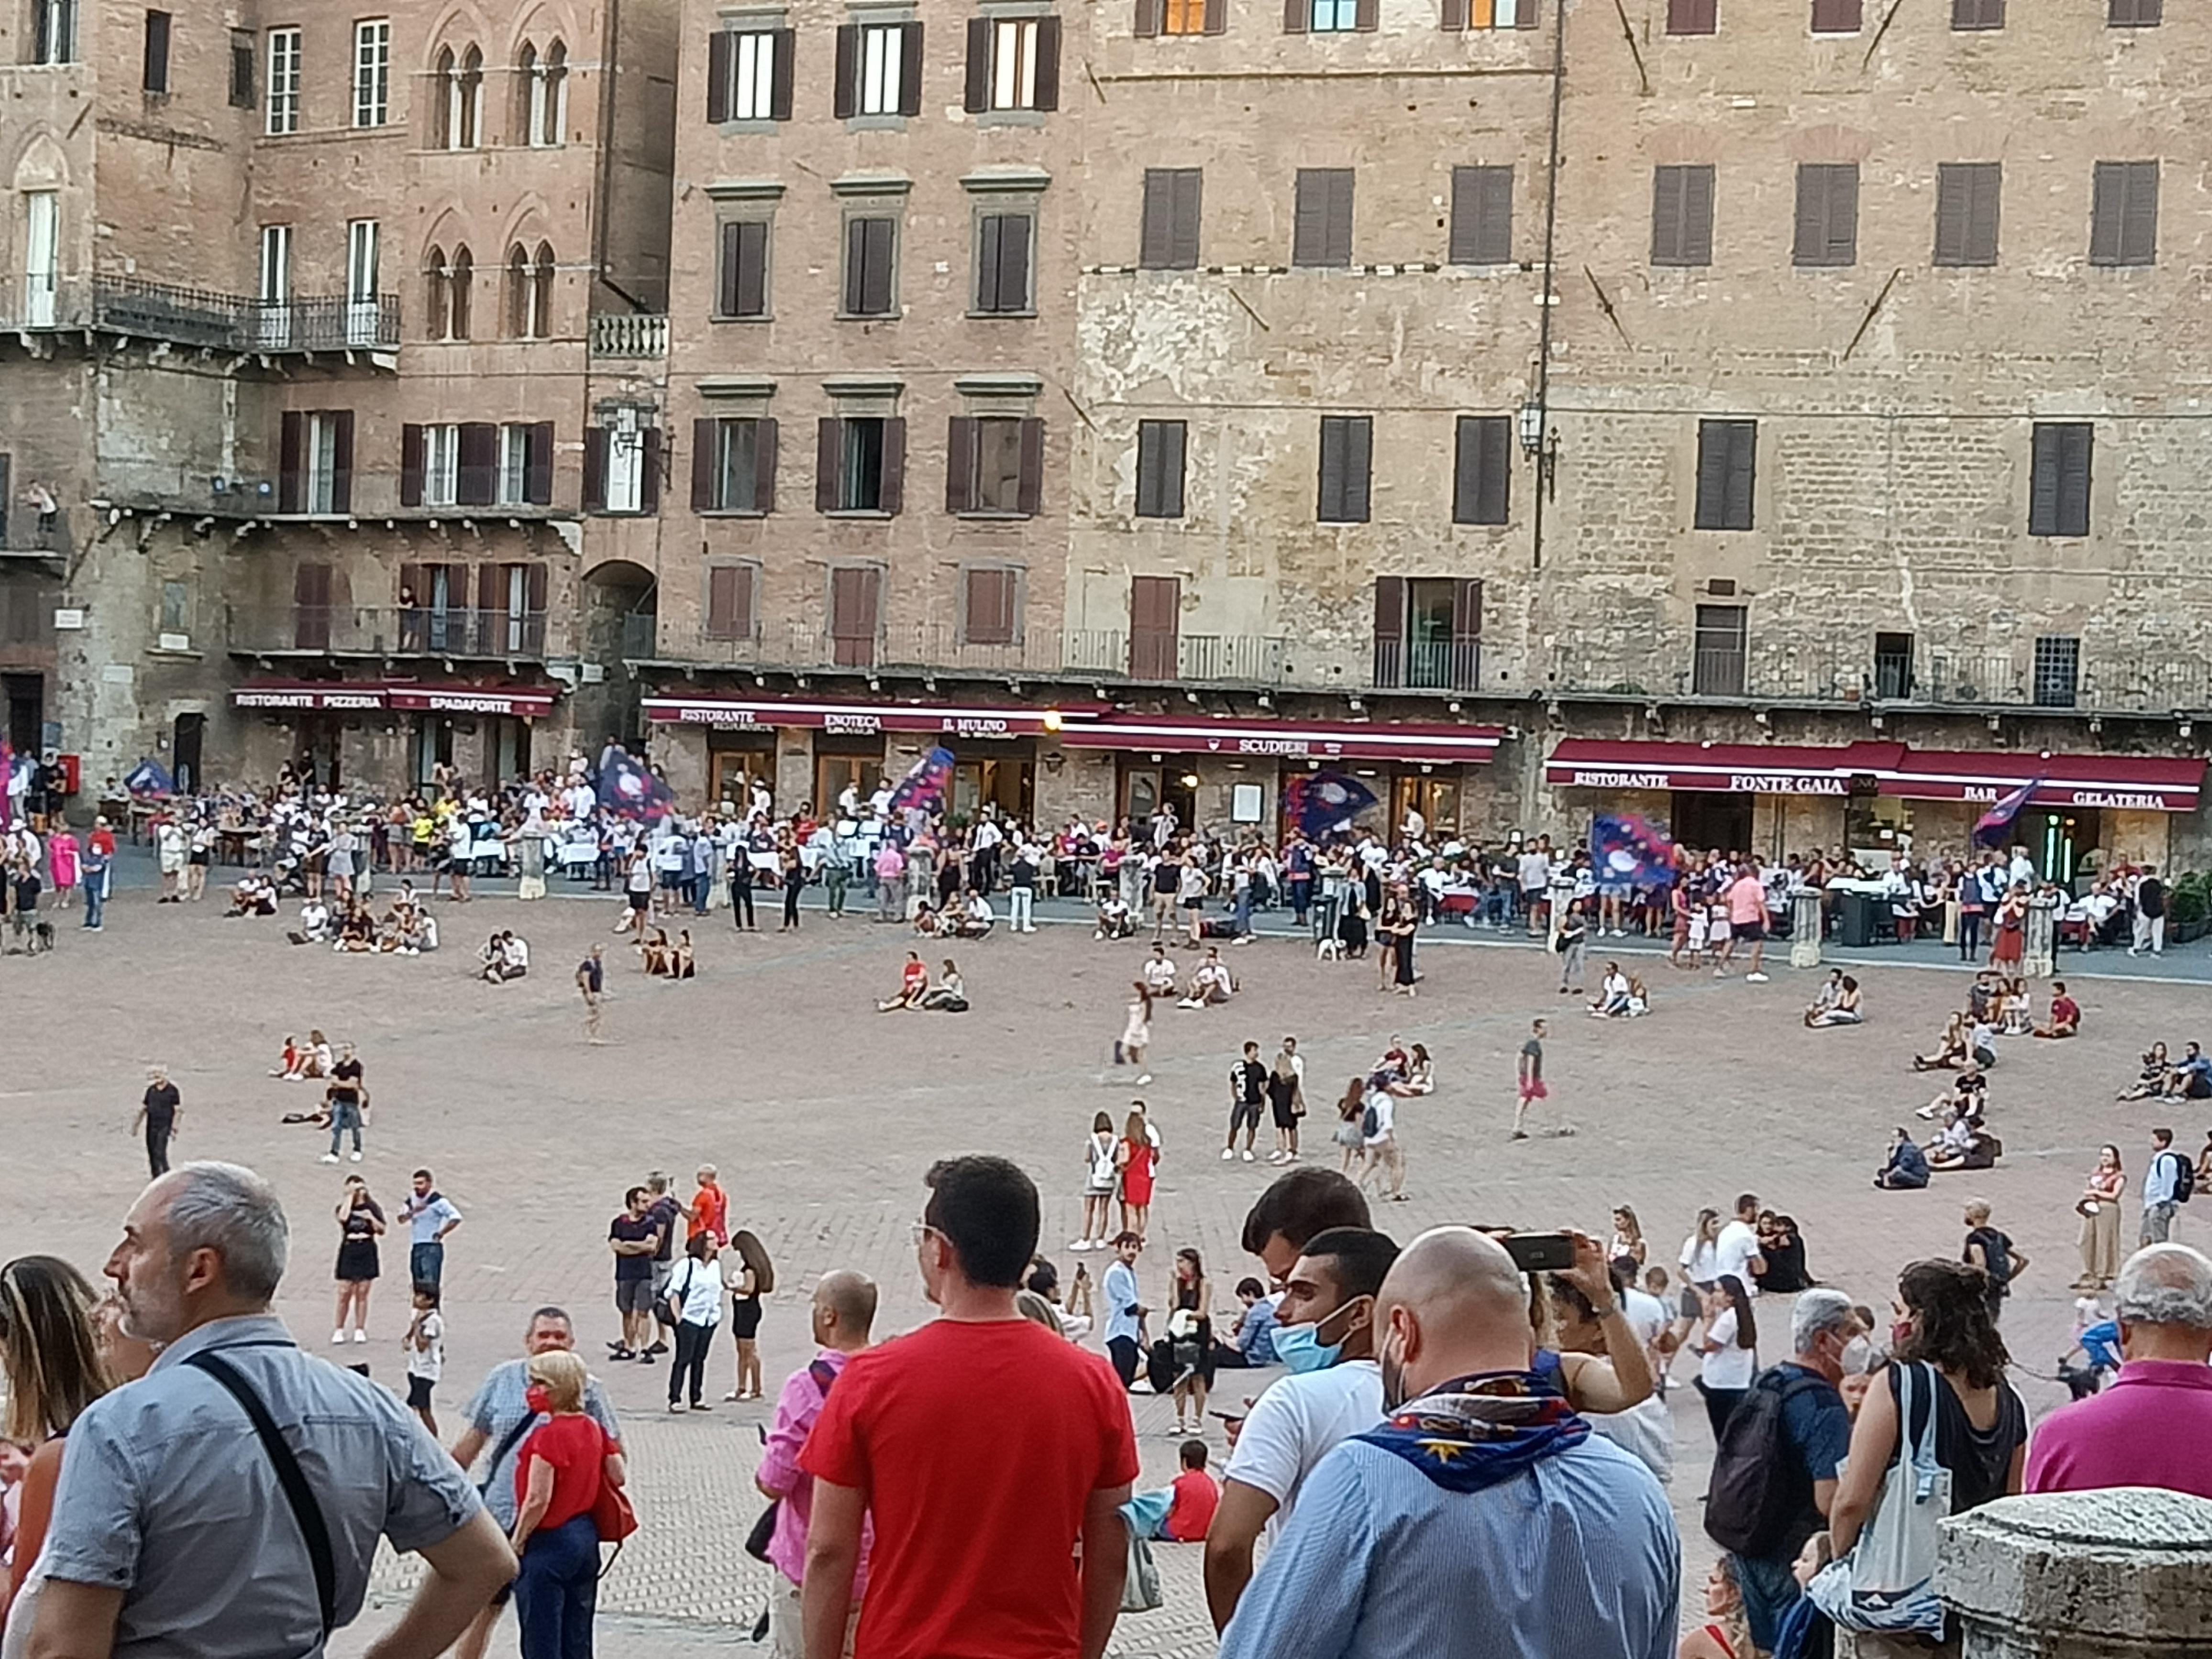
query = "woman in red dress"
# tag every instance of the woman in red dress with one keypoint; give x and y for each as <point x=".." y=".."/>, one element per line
<point x="2011" y="922"/>
<point x="1137" y="1159"/>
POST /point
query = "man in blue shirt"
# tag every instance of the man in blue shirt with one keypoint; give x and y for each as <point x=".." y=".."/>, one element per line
<point x="1125" y="1313"/>
<point x="1825" y="1341"/>
<point x="430" y="1216"/>
<point x="2161" y="1195"/>
<point x="1482" y="1519"/>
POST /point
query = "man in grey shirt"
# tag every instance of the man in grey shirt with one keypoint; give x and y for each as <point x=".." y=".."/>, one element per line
<point x="498" y="1417"/>
<point x="173" y="1536"/>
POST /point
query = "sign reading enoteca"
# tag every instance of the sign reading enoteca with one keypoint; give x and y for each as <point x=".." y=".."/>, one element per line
<point x="863" y="719"/>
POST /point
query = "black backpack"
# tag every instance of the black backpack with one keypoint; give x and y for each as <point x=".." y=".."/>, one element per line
<point x="1759" y="1490"/>
<point x="2184" y="1177"/>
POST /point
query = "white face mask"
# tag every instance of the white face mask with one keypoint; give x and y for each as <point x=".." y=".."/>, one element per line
<point x="1857" y="1356"/>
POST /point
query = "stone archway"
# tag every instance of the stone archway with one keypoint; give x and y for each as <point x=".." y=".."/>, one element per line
<point x="620" y="605"/>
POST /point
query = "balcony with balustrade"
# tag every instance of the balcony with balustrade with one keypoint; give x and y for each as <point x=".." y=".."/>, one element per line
<point x="131" y="309"/>
<point x="340" y="630"/>
<point x="633" y="334"/>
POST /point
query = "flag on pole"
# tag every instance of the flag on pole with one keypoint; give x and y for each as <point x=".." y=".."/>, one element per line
<point x="1992" y="828"/>
<point x="1324" y="802"/>
<point x="923" y="786"/>
<point x="628" y="789"/>
<point x="148" y="777"/>
<point x="1628" y="852"/>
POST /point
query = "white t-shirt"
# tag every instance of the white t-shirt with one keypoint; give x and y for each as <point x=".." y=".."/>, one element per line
<point x="1733" y="1252"/>
<point x="1697" y="1258"/>
<point x="1159" y="975"/>
<point x="1296" y="1423"/>
<point x="700" y="1289"/>
<point x="1730" y="1367"/>
<point x="1385" y="1110"/>
<point x="428" y="1361"/>
<point x="516" y="953"/>
<point x="1646" y="1314"/>
<point x="1644" y="1432"/>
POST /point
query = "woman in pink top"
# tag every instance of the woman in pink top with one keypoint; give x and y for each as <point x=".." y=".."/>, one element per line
<point x="61" y="863"/>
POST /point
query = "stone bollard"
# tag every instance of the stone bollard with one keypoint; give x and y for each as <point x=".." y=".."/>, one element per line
<point x="2088" y="1574"/>
<point x="1805" y="927"/>
<point x="2039" y="938"/>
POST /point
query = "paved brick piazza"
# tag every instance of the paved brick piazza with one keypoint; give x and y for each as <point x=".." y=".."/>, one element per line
<point x="823" y="1115"/>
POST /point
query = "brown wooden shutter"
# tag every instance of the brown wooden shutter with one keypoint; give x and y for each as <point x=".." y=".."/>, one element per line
<point x="727" y="303"/>
<point x="342" y="460"/>
<point x="1215" y="19"/>
<point x="1365" y="16"/>
<point x="765" y="457"/>
<point x="411" y="465"/>
<point x="155" y="78"/>
<point x="960" y="465"/>
<point x="491" y="608"/>
<point x="1697" y="232"/>
<point x="1296" y="16"/>
<point x="2139" y="220"/>
<point x="786" y="41"/>
<point x="1481" y="215"/>
<point x="846" y="95"/>
<point x="719" y="45"/>
<point x="1977" y="14"/>
<point x="722" y="580"/>
<point x="892" y="496"/>
<point x="476" y="476"/>
<point x="704" y="465"/>
<point x="1155" y="627"/>
<point x="1358" y="467"/>
<point x="752" y="268"/>
<point x="1692" y="16"/>
<point x="1494" y="500"/>
<point x="1029" y="488"/>
<point x="979" y="64"/>
<point x="538" y="464"/>
<point x="1827" y="215"/>
<point x="1742" y="450"/>
<point x="310" y="607"/>
<point x="1526" y="18"/>
<point x="1048" y="63"/>
<point x="1389" y="630"/>
<point x="1455" y="16"/>
<point x="2076" y="444"/>
<point x="1149" y="18"/>
<point x="1156" y="223"/>
<point x="856" y="612"/>
<point x="910" y="69"/>
<point x="291" y="435"/>
<point x="1836" y="17"/>
<point x="595" y="468"/>
<point x="828" y="445"/>
<point x="535" y="581"/>
<point x="648" y="495"/>
<point x="2042" y="481"/>
<point x="988" y="607"/>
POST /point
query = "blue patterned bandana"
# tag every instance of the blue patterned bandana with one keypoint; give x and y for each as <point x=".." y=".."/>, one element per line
<point x="1474" y="1431"/>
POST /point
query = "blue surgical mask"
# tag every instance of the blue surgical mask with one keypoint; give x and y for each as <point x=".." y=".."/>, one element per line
<point x="1300" y="1347"/>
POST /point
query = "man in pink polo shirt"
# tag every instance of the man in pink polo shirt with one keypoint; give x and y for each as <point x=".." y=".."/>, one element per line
<point x="844" y="1312"/>
<point x="1747" y="908"/>
<point x="2153" y="1426"/>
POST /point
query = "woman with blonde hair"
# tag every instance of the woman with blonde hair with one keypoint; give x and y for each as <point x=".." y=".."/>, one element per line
<point x="1627" y="1237"/>
<point x="50" y="1352"/>
<point x="1134" y="1157"/>
<point x="559" y="1470"/>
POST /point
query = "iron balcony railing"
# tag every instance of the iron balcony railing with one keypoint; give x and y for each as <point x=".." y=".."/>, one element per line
<point x="391" y="631"/>
<point x="204" y="318"/>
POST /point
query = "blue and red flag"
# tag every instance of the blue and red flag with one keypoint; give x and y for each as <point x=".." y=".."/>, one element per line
<point x="1627" y="853"/>
<point x="149" y="777"/>
<point x="1324" y="802"/>
<point x="922" y="788"/>
<point x="1992" y="827"/>
<point x="629" y="790"/>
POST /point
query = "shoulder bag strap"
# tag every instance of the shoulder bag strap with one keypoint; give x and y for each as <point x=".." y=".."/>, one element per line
<point x="507" y="1443"/>
<point x="304" y="1510"/>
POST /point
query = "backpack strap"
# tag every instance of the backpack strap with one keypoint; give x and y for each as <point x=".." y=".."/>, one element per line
<point x="305" y="1511"/>
<point x="823" y="1375"/>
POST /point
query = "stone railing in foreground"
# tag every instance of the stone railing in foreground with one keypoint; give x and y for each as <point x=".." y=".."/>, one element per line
<point x="2121" y="1574"/>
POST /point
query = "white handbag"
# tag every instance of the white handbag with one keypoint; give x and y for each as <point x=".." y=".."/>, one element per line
<point x="1886" y="1582"/>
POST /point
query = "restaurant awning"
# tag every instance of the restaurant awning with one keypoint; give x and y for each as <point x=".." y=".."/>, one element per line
<point x="530" y="701"/>
<point x="1755" y="768"/>
<point x="867" y="718"/>
<point x="1296" y="739"/>
<point x="2149" y="783"/>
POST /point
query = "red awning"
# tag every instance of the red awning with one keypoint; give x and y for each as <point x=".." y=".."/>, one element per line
<point x="530" y="701"/>
<point x="868" y="718"/>
<point x="1295" y="740"/>
<point x="2150" y="783"/>
<point x="1722" y="768"/>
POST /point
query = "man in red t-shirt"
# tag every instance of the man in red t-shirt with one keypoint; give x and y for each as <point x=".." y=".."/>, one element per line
<point x="709" y="1210"/>
<point x="977" y="1514"/>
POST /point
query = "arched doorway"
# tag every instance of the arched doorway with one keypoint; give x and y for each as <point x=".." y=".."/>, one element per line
<point x="620" y="622"/>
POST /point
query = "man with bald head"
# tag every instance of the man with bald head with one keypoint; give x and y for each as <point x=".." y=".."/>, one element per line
<point x="1482" y="1519"/>
<point x="2153" y="1426"/>
<point x="843" y="1314"/>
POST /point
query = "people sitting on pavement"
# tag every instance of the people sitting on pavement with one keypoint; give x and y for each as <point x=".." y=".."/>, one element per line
<point x="2151" y="1078"/>
<point x="314" y="923"/>
<point x="1251" y="1342"/>
<point x="973" y="919"/>
<point x="1158" y="972"/>
<point x="1113" y="920"/>
<point x="1965" y="1144"/>
<point x="950" y="995"/>
<point x="1907" y="1168"/>
<point x="2191" y="1077"/>
<point x="1829" y="996"/>
<point x="1612" y="1001"/>
<point x="1847" y="1010"/>
<point x="1212" y="986"/>
<point x="2065" y="1013"/>
<point x="254" y="896"/>
<point x="1968" y="1091"/>
<point x="914" y="982"/>
<point x="1950" y="1048"/>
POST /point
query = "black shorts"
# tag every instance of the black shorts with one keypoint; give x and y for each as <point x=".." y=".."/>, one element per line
<point x="419" y="1393"/>
<point x="634" y="1296"/>
<point x="1243" y="1114"/>
<point x="1193" y="903"/>
<point x="1748" y="932"/>
<point x="199" y="858"/>
<point x="641" y="901"/>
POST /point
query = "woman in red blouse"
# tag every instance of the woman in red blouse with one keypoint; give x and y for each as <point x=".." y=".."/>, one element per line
<point x="557" y="1476"/>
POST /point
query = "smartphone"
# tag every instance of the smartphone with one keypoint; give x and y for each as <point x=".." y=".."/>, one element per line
<point x="1541" y="1252"/>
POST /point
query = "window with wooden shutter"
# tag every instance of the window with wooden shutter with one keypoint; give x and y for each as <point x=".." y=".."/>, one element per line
<point x="988" y="612"/>
<point x="155" y="76"/>
<point x="411" y="465"/>
<point x="477" y="478"/>
<point x="1482" y="472"/>
<point x="2136" y="14"/>
<point x="538" y="464"/>
<point x="1978" y="14"/>
<point x="1482" y="215"/>
<point x="729" y="601"/>
<point x="1967" y="195"/>
<point x="1838" y="17"/>
<point x="855" y="614"/>
<point x="1390" y="631"/>
<point x="311" y="606"/>
<point x="1320" y="232"/>
<point x="341" y="441"/>
<point x="741" y="284"/>
<point x="1346" y="458"/>
<point x="1160" y="445"/>
<point x="1151" y="15"/>
<point x="719" y="51"/>
<point x="1693" y="16"/>
<point x="1728" y="466"/>
<point x="994" y="464"/>
<point x="1827" y="214"/>
<point x="1002" y="264"/>
<point x="870" y="253"/>
<point x="1169" y="238"/>
<point x="290" y="440"/>
<point x="1155" y="627"/>
<point x="2058" y="489"/>
<point x="2123" y="214"/>
<point x="1682" y="215"/>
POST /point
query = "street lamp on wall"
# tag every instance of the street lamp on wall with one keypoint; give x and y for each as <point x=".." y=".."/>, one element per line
<point x="1540" y="442"/>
